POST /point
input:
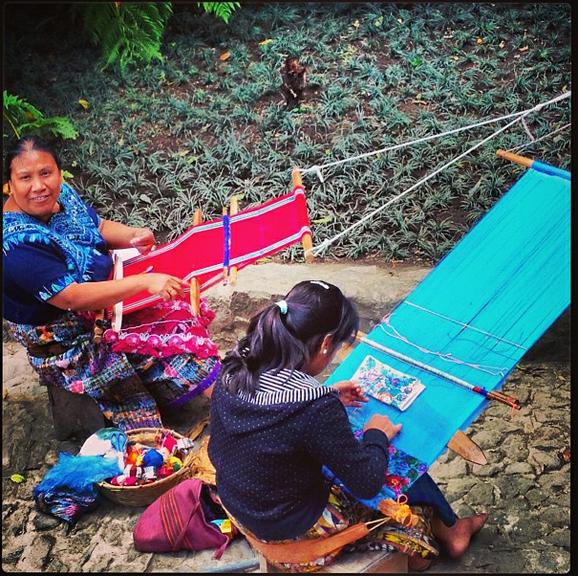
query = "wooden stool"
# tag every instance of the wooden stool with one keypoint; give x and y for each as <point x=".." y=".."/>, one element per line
<point x="375" y="562"/>
<point x="73" y="415"/>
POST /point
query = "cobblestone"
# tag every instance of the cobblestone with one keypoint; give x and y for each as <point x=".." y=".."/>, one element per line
<point x="525" y="485"/>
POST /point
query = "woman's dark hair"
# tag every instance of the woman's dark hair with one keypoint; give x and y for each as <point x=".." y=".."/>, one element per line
<point x="27" y="144"/>
<point x="278" y="339"/>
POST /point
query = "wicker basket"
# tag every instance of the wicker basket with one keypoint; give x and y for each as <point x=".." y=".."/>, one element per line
<point x="147" y="493"/>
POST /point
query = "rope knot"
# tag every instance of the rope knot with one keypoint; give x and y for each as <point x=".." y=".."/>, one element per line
<point x="398" y="511"/>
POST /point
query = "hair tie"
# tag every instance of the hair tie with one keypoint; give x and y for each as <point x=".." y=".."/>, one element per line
<point x="282" y="306"/>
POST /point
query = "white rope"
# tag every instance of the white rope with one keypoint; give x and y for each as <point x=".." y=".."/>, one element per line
<point x="541" y="138"/>
<point x="318" y="249"/>
<point x="465" y="325"/>
<point x="317" y="168"/>
<point x="448" y="357"/>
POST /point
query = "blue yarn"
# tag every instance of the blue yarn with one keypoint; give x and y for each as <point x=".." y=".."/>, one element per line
<point x="79" y="473"/>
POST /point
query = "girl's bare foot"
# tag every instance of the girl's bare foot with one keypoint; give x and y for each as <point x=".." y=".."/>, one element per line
<point x="456" y="539"/>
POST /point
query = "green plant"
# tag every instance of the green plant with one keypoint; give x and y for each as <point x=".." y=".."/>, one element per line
<point x="127" y="32"/>
<point x="24" y="118"/>
<point x="222" y="10"/>
<point x="132" y="32"/>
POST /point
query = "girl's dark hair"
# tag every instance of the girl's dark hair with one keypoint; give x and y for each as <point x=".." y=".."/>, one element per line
<point x="26" y="144"/>
<point x="276" y="339"/>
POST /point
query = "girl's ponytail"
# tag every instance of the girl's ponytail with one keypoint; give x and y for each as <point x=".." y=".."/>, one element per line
<point x="288" y="334"/>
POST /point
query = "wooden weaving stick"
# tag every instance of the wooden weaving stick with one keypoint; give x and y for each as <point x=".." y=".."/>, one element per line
<point x="522" y="160"/>
<point x="195" y="293"/>
<point x="306" y="241"/>
<point x="463" y="445"/>
<point x="117" y="308"/>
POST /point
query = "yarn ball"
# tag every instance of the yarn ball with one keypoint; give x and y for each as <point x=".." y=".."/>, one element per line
<point x="152" y="458"/>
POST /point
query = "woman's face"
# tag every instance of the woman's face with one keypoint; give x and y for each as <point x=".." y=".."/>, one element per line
<point x="35" y="183"/>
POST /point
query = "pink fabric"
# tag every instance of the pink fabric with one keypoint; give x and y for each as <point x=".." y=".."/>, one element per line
<point x="176" y="521"/>
<point x="166" y="329"/>
<point x="199" y="252"/>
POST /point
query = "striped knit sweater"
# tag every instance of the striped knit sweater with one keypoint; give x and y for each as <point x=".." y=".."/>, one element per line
<point x="269" y="448"/>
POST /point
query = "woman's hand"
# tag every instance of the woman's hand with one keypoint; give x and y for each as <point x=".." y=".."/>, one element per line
<point x="350" y="393"/>
<point x="384" y="424"/>
<point x="166" y="286"/>
<point x="143" y="240"/>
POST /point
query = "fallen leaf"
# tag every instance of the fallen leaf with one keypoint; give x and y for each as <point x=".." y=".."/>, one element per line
<point x="17" y="478"/>
<point x="356" y="24"/>
<point x="502" y="44"/>
<point x="224" y="56"/>
<point x="324" y="220"/>
<point x="265" y="42"/>
<point x="479" y="40"/>
<point x="523" y="49"/>
<point x="84" y="103"/>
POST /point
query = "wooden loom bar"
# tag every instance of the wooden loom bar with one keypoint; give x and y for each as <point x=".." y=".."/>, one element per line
<point x="195" y="293"/>
<point x="490" y="394"/>
<point x="117" y="308"/>
<point x="306" y="241"/>
<point x="522" y="160"/>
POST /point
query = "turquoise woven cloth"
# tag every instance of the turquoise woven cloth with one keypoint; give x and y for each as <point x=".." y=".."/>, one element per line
<point x="476" y="314"/>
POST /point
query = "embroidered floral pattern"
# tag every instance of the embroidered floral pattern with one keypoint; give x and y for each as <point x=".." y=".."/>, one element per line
<point x="165" y="330"/>
<point x="72" y="232"/>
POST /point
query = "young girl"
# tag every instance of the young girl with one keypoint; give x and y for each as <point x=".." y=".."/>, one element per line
<point x="274" y="426"/>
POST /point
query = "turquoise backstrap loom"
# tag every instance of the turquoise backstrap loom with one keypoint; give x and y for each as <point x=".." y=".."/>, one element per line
<point x="476" y="314"/>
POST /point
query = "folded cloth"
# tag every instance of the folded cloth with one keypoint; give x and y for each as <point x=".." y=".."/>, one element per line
<point x="68" y="489"/>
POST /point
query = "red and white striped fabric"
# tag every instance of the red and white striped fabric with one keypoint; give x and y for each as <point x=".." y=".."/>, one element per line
<point x="201" y="251"/>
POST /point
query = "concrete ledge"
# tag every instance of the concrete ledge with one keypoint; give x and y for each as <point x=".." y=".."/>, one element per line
<point x="375" y="289"/>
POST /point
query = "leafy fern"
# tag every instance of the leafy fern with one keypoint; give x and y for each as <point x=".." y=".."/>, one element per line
<point x="24" y="118"/>
<point x="222" y="10"/>
<point x="127" y="32"/>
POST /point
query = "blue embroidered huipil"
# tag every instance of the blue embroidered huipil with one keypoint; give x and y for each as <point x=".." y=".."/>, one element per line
<point x="40" y="260"/>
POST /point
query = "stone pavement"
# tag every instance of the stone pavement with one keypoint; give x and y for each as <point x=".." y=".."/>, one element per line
<point x="525" y="485"/>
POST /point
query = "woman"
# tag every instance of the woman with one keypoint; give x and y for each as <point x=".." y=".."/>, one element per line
<point x="274" y="427"/>
<point x="56" y="275"/>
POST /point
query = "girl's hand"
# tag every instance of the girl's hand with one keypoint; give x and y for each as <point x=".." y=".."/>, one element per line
<point x="384" y="424"/>
<point x="143" y="240"/>
<point x="350" y="393"/>
<point x="166" y="286"/>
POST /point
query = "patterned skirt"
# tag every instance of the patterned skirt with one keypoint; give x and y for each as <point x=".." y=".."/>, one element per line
<point x="343" y="511"/>
<point x="128" y="387"/>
